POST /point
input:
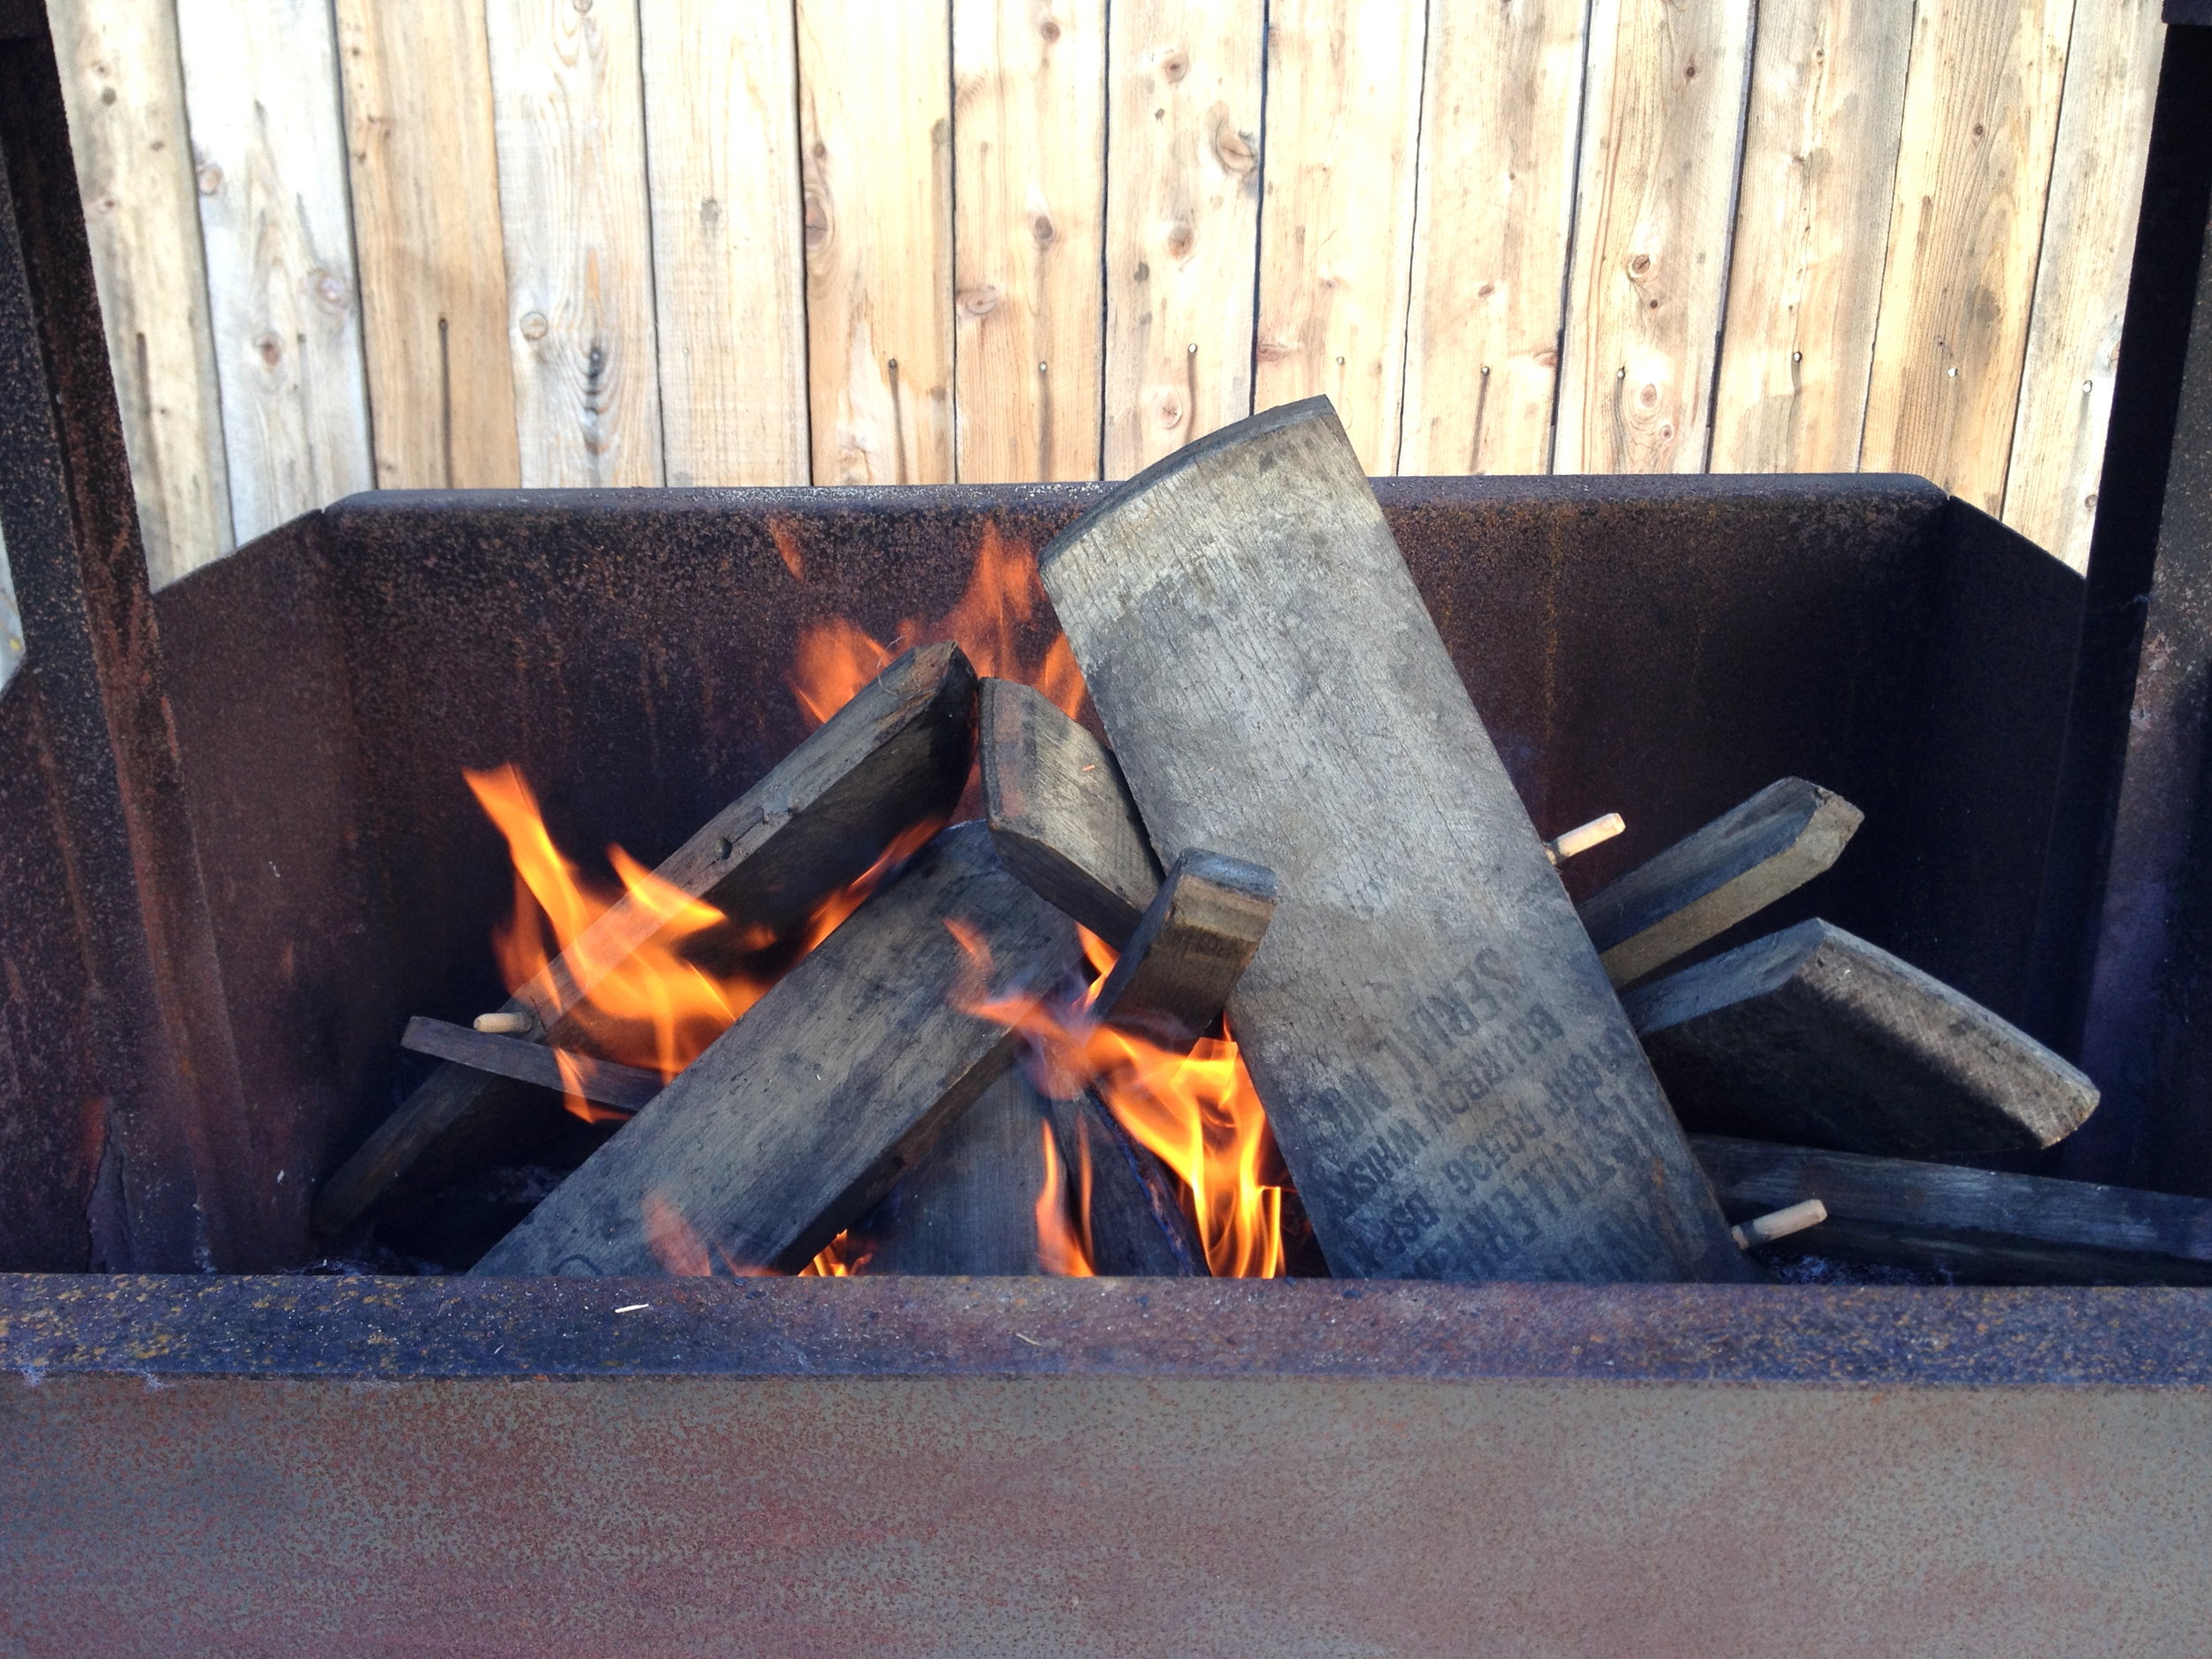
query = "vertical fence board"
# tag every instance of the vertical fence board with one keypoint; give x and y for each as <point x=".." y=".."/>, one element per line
<point x="1182" y="221"/>
<point x="125" y="95"/>
<point x="2081" y="283"/>
<point x="571" y="132"/>
<point x="1660" y="126"/>
<point x="722" y="126"/>
<point x="1336" y="212"/>
<point x="1029" y="162"/>
<point x="261" y="89"/>
<point x="875" y="134"/>
<point x="426" y="221"/>
<point x="1981" y="115"/>
<point x="1820" y="157"/>
<point x="1498" y="116"/>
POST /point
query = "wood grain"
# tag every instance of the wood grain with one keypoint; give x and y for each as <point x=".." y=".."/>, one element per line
<point x="1966" y="220"/>
<point x="969" y="1205"/>
<point x="1182" y="221"/>
<point x="1195" y="940"/>
<point x="1336" y="218"/>
<point x="805" y="1113"/>
<point x="1659" y="124"/>
<point x="1500" y="113"/>
<point x="1821" y="137"/>
<point x="1981" y="1226"/>
<point x="2081" y="279"/>
<point x="625" y="1086"/>
<point x="729" y="277"/>
<point x="1448" y="1072"/>
<point x="571" y="136"/>
<point x="1029" y="161"/>
<point x="123" y="88"/>
<point x="261" y="87"/>
<point x="875" y="131"/>
<point x="425" y="174"/>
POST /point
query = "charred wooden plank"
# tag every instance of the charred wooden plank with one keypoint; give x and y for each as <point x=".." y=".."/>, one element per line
<point x="626" y="1087"/>
<point x="805" y="1113"/>
<point x="1448" y="1073"/>
<point x="1814" y="1036"/>
<point x="1136" y="1225"/>
<point x="970" y="1204"/>
<point x="1060" y="813"/>
<point x="1175" y="975"/>
<point x="1980" y="1226"/>
<point x="894" y="757"/>
<point x="1707" y="882"/>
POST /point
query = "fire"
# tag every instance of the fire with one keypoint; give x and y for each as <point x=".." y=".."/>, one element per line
<point x="841" y="1258"/>
<point x="1063" y="1241"/>
<point x="837" y="658"/>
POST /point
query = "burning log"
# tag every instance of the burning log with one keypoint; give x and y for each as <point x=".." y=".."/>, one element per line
<point x="1982" y="1226"/>
<point x="1060" y="813"/>
<point x="1448" y="1072"/>
<point x="1703" y="885"/>
<point x="897" y="756"/>
<point x="805" y="1113"/>
<point x="1136" y="1225"/>
<point x="626" y="1087"/>
<point x="1182" y="962"/>
<point x="1814" y="1036"/>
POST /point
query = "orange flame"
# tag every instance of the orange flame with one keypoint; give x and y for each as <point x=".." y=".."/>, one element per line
<point x="837" y="658"/>
<point x="841" y="1258"/>
<point x="1063" y="1246"/>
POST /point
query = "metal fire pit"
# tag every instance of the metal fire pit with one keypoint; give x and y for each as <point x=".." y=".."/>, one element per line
<point x="236" y="853"/>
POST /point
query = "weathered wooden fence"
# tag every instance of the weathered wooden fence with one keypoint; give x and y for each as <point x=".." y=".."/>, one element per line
<point x="346" y="243"/>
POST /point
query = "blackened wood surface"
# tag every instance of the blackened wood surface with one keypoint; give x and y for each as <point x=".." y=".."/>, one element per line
<point x="804" y="1113"/>
<point x="893" y="757"/>
<point x="627" y="1087"/>
<point x="1982" y="1226"/>
<point x="1703" y="885"/>
<point x="970" y="1204"/>
<point x="1812" y="1035"/>
<point x="1450" y="1078"/>
<point x="1181" y="964"/>
<point x="1060" y="813"/>
<point x="1136" y="1225"/>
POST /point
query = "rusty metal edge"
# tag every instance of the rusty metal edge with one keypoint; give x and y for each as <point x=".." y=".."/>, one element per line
<point x="397" y="1330"/>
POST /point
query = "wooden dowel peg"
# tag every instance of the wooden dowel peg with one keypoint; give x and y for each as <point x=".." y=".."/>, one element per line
<point x="1583" y="837"/>
<point x="516" y="1023"/>
<point x="1779" y="1224"/>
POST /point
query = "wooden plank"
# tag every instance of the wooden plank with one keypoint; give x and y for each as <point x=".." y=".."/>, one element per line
<point x="571" y="132"/>
<point x="626" y="1087"/>
<point x="729" y="275"/>
<point x="1450" y="1076"/>
<point x="123" y="87"/>
<point x="1821" y="135"/>
<point x="1029" y="161"/>
<point x="1500" y="116"/>
<point x="1966" y="218"/>
<point x="261" y="88"/>
<point x="1979" y="1226"/>
<point x="425" y="218"/>
<point x="875" y="131"/>
<point x="1336" y="222"/>
<point x="1182" y="221"/>
<point x="2081" y="279"/>
<point x="895" y="756"/>
<point x="1707" y="882"/>
<point x="1175" y="975"/>
<point x="969" y="1205"/>
<point x="1661" y="116"/>
<point x="806" y="1111"/>
<point x="1136" y="1225"/>
<point x="1814" y="1036"/>
<point x="1060" y="814"/>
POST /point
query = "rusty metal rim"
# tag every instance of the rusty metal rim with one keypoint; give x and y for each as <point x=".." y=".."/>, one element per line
<point x="395" y="1330"/>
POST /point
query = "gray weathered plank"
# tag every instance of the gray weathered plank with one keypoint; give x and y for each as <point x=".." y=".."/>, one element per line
<point x="969" y="1205"/>
<point x="1449" y="1077"/>
<point x="1814" y="1036"/>
<point x="1182" y="963"/>
<point x="805" y="1113"/>
<point x="1980" y="1226"/>
<point x="897" y="756"/>
<point x="1707" y="882"/>
<point x="1060" y="813"/>
<point x="626" y="1088"/>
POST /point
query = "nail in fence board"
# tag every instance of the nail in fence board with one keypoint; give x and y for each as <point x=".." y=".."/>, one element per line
<point x="1182" y="964"/>
<point x="1707" y="882"/>
<point x="1983" y="1225"/>
<point x="1060" y="813"/>
<point x="1450" y="1076"/>
<point x="805" y="1113"/>
<point x="1812" y="1035"/>
<point x="895" y="756"/>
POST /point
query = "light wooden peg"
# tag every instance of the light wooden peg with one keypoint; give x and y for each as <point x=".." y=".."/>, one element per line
<point x="1580" y="839"/>
<point x="508" y="1023"/>
<point x="1779" y="1224"/>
